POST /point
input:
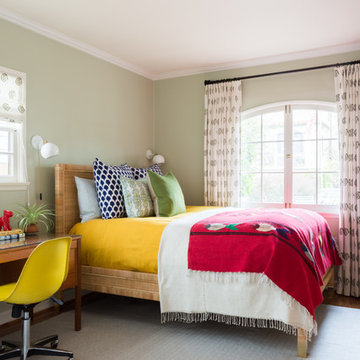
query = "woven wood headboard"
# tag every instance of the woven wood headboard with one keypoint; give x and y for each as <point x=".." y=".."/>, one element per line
<point x="66" y="200"/>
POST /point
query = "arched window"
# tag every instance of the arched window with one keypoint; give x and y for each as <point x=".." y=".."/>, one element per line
<point x="290" y="156"/>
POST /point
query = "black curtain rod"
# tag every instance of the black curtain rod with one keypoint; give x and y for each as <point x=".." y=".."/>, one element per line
<point x="208" y="82"/>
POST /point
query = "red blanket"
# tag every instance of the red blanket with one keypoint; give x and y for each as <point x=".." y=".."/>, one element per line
<point x="292" y="247"/>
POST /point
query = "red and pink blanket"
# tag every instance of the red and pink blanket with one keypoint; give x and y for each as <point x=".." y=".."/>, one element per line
<point x="292" y="247"/>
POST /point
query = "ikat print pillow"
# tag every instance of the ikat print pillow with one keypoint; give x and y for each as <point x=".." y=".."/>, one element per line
<point x="108" y="188"/>
<point x="140" y="173"/>
<point x="138" y="202"/>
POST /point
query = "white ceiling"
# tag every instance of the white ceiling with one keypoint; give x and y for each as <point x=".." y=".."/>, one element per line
<point x="168" y="38"/>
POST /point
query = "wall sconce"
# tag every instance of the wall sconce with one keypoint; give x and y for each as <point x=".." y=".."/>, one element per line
<point x="156" y="158"/>
<point x="47" y="149"/>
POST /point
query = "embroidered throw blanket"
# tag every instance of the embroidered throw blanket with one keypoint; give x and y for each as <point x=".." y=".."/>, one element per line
<point x="292" y="247"/>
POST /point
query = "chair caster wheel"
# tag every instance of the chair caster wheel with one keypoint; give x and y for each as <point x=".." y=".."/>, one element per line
<point x="54" y="344"/>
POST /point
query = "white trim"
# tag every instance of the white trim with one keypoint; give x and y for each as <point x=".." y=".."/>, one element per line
<point x="67" y="40"/>
<point x="288" y="107"/>
<point x="14" y="186"/>
<point x="12" y="71"/>
<point x="91" y="50"/>
<point x="314" y="53"/>
<point x="298" y="103"/>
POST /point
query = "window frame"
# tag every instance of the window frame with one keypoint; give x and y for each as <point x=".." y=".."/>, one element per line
<point x="16" y="124"/>
<point x="288" y="107"/>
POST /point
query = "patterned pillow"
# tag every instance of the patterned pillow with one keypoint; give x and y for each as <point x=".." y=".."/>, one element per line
<point x="140" y="173"/>
<point x="137" y="197"/>
<point x="108" y="188"/>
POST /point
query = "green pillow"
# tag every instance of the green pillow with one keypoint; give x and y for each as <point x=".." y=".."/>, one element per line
<point x="137" y="198"/>
<point x="166" y="194"/>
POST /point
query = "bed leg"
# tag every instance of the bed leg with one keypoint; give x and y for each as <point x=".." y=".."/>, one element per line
<point x="302" y="343"/>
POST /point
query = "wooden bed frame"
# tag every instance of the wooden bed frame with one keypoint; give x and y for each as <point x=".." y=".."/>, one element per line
<point x="111" y="281"/>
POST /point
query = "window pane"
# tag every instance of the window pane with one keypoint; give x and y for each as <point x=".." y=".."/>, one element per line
<point x="304" y="156"/>
<point x="251" y="157"/>
<point x="5" y="165"/>
<point x="328" y="155"/>
<point x="304" y="188"/>
<point x="304" y="124"/>
<point x="329" y="189"/>
<point x="250" y="187"/>
<point x="273" y="188"/>
<point x="273" y="156"/>
<point x="328" y="125"/>
<point x="273" y="126"/>
<point x="4" y="141"/>
<point x="251" y="129"/>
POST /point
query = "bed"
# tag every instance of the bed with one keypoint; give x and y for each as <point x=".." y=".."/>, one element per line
<point x="135" y="284"/>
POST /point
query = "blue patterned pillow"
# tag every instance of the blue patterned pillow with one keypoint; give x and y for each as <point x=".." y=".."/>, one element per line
<point x="140" y="173"/>
<point x="108" y="188"/>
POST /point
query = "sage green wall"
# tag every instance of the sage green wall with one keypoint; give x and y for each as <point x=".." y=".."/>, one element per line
<point x="88" y="107"/>
<point x="179" y="110"/>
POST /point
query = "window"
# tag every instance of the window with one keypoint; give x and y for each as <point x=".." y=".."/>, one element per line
<point x="12" y="127"/>
<point x="290" y="156"/>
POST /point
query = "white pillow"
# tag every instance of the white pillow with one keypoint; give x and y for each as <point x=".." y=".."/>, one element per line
<point x="87" y="198"/>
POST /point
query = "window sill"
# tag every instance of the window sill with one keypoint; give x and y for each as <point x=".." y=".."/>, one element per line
<point x="14" y="186"/>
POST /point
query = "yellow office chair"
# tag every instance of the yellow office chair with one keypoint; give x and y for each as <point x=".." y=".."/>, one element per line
<point x="42" y="276"/>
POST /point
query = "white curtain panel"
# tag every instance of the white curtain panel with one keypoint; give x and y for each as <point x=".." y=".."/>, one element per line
<point x="222" y="143"/>
<point x="347" y="86"/>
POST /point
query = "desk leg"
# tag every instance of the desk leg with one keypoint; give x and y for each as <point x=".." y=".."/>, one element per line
<point x="78" y="288"/>
<point x="77" y="308"/>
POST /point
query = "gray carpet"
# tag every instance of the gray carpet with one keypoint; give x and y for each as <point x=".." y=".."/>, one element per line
<point x="122" y="328"/>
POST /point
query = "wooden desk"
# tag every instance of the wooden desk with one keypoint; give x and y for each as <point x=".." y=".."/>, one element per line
<point x="13" y="256"/>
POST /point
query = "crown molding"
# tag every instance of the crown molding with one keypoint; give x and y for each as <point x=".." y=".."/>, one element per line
<point x="91" y="50"/>
<point x="64" y="39"/>
<point x="326" y="51"/>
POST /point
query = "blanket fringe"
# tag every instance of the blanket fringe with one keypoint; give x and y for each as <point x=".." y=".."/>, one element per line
<point x="233" y="320"/>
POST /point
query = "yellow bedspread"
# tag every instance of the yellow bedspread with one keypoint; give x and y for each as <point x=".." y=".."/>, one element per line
<point x="126" y="243"/>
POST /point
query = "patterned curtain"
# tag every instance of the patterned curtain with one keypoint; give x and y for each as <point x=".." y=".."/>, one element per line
<point x="347" y="86"/>
<point x="222" y="143"/>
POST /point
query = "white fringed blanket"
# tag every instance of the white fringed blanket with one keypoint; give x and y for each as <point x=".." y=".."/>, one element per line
<point x="246" y="299"/>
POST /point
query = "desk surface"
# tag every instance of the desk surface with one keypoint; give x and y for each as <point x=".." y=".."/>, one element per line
<point x="30" y="240"/>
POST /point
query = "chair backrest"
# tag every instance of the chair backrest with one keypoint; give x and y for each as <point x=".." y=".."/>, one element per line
<point x="43" y="273"/>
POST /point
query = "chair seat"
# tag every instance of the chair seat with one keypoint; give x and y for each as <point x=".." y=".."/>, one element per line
<point x="6" y="290"/>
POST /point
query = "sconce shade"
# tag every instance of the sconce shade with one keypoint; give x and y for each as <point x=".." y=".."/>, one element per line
<point x="49" y="150"/>
<point x="156" y="158"/>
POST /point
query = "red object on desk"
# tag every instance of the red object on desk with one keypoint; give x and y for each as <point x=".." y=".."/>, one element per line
<point x="4" y="220"/>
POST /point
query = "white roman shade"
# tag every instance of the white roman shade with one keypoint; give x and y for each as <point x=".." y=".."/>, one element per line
<point x="12" y="95"/>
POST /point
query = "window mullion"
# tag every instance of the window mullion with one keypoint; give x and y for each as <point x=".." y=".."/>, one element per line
<point x="317" y="159"/>
<point x="261" y="161"/>
<point x="287" y="155"/>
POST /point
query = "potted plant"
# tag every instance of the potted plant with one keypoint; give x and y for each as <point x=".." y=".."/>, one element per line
<point x="31" y="217"/>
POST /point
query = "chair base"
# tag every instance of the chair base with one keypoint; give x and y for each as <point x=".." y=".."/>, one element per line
<point x="36" y="348"/>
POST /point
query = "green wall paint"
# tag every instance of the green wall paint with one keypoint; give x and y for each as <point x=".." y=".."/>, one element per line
<point x="92" y="108"/>
<point x="86" y="106"/>
<point x="179" y="110"/>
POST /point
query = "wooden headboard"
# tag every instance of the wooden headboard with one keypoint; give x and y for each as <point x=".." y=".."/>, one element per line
<point x="66" y="200"/>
